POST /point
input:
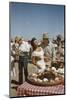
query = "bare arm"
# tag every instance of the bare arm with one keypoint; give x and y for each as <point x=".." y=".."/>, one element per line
<point x="35" y="62"/>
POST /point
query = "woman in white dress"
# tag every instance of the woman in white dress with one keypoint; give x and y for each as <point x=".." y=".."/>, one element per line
<point x="38" y="56"/>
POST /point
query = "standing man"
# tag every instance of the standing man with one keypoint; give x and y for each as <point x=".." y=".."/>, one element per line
<point x="23" y="59"/>
<point x="60" y="51"/>
<point x="49" y="49"/>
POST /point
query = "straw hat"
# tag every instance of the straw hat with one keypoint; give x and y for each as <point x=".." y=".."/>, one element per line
<point x="45" y="36"/>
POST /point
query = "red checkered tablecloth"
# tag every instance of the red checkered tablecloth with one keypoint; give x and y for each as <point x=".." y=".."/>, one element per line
<point x="27" y="89"/>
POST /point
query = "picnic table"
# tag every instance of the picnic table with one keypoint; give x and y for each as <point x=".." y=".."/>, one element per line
<point x="27" y="89"/>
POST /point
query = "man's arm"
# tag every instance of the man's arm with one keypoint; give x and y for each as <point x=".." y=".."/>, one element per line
<point x="53" y="53"/>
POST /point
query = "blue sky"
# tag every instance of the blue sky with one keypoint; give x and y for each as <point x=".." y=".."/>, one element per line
<point x="32" y="20"/>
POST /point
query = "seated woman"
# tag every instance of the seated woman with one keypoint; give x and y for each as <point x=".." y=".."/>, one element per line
<point x="38" y="56"/>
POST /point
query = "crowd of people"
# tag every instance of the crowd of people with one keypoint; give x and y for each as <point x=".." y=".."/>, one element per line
<point x="44" y="54"/>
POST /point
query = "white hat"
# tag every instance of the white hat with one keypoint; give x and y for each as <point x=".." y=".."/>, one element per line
<point x="45" y="35"/>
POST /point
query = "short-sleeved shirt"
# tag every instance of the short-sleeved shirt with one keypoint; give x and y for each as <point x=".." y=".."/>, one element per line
<point x="49" y="51"/>
<point x="25" y="47"/>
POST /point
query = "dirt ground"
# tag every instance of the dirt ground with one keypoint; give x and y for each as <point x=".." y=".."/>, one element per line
<point x="14" y="81"/>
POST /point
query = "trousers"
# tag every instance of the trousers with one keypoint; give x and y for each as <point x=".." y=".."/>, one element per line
<point x="23" y="64"/>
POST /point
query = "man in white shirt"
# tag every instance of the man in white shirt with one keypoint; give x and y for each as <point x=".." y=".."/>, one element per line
<point x="24" y="46"/>
<point x="23" y="59"/>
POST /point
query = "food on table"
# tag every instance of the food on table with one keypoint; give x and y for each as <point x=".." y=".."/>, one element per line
<point x="45" y="80"/>
<point x="60" y="70"/>
<point x="47" y="74"/>
<point x="54" y="69"/>
<point x="57" y="79"/>
<point x="52" y="81"/>
<point x="39" y="80"/>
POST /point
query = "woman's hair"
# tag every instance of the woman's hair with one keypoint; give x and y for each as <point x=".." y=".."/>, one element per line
<point x="32" y="43"/>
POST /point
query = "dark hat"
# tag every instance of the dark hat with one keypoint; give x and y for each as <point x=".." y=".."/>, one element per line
<point x="33" y="39"/>
<point x="59" y="37"/>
